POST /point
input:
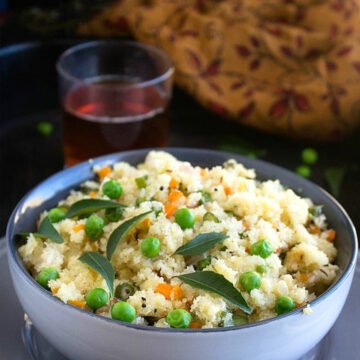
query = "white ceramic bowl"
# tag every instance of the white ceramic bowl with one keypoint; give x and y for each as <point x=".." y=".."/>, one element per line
<point x="80" y="335"/>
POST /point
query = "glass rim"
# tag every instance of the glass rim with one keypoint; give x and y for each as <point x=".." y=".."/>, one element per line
<point x="89" y="44"/>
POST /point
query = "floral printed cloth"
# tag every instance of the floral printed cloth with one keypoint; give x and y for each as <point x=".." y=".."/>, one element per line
<point x="284" y="66"/>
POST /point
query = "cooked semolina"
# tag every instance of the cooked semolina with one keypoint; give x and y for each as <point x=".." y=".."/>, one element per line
<point x="300" y="265"/>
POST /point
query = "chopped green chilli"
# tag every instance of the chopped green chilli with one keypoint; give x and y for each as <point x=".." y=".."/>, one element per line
<point x="210" y="217"/>
<point x="141" y="182"/>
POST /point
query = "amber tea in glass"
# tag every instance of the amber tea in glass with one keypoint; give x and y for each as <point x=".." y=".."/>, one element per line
<point x="115" y="97"/>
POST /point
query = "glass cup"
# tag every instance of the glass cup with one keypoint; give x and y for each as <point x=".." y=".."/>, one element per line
<point x="115" y="96"/>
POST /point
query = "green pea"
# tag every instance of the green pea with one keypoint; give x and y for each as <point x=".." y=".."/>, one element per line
<point x="96" y="298"/>
<point x="150" y="247"/>
<point x="240" y="319"/>
<point x="44" y="128"/>
<point x="250" y="280"/>
<point x="94" y="227"/>
<point x="114" y="214"/>
<point x="112" y="189"/>
<point x="56" y="214"/>
<point x="210" y="217"/>
<point x="284" y="304"/>
<point x="202" y="264"/>
<point x="185" y="218"/>
<point x="309" y="156"/>
<point x="123" y="311"/>
<point x="179" y="318"/>
<point x="261" y="269"/>
<point x="124" y="291"/>
<point x="304" y="171"/>
<point x="261" y="248"/>
<point x="46" y="275"/>
<point x="141" y="182"/>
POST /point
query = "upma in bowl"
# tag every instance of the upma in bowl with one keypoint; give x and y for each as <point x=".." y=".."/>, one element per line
<point x="84" y="335"/>
<point x="169" y="244"/>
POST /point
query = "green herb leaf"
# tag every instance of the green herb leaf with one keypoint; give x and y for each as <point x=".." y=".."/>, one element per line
<point x="334" y="176"/>
<point x="101" y="265"/>
<point x="216" y="283"/>
<point x="48" y="231"/>
<point x="200" y="243"/>
<point x="89" y="206"/>
<point x="121" y="231"/>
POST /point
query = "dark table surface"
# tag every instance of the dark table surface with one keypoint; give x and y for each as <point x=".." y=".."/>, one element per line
<point x="28" y="95"/>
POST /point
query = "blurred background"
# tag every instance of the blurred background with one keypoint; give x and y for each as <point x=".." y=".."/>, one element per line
<point x="278" y="81"/>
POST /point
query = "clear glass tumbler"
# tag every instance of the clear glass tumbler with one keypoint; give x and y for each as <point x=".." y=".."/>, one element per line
<point x="115" y="96"/>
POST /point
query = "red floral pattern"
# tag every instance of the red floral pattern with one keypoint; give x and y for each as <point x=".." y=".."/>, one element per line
<point x="289" y="100"/>
<point x="283" y="66"/>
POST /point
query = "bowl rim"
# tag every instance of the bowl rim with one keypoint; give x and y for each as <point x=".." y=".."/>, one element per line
<point x="163" y="76"/>
<point x="114" y="157"/>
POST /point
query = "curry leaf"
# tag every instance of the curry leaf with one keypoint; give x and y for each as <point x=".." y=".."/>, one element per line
<point x="121" y="231"/>
<point x="201" y="243"/>
<point x="89" y="206"/>
<point x="216" y="283"/>
<point x="334" y="176"/>
<point x="47" y="230"/>
<point x="101" y="265"/>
